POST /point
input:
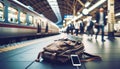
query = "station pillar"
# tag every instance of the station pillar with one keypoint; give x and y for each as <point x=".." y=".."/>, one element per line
<point x="111" y="19"/>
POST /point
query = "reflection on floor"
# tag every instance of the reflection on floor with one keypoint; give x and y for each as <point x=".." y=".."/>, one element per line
<point x="24" y="57"/>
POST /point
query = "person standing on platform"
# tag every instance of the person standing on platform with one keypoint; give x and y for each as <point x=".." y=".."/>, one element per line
<point x="72" y="28"/>
<point x="68" y="29"/>
<point x="100" y="22"/>
<point x="77" y="28"/>
<point x="81" y="27"/>
<point x="90" y="25"/>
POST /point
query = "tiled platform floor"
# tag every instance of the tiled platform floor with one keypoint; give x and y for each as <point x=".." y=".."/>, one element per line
<point x="23" y="58"/>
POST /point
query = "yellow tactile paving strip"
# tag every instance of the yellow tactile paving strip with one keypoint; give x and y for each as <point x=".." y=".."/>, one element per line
<point x="18" y="46"/>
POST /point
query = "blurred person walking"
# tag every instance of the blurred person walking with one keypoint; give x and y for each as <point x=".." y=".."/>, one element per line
<point x="100" y="22"/>
<point x="81" y="27"/>
<point x="90" y="25"/>
<point x="72" y="27"/>
<point x="77" y="25"/>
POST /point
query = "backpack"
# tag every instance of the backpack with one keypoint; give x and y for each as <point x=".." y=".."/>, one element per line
<point x="61" y="49"/>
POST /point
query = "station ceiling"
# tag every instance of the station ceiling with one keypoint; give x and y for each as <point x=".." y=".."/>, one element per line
<point x="65" y="7"/>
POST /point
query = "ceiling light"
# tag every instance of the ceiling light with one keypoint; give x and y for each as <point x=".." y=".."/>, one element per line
<point x="117" y="14"/>
<point x="54" y="5"/>
<point x="78" y="13"/>
<point x="96" y="5"/>
<point x="85" y="11"/>
<point x="87" y="4"/>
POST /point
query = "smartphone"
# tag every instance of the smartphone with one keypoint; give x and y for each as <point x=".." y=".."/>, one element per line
<point x="75" y="60"/>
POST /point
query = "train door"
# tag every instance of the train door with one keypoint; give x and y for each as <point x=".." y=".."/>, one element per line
<point x="46" y="29"/>
<point x="38" y="31"/>
<point x="38" y="26"/>
<point x="2" y="8"/>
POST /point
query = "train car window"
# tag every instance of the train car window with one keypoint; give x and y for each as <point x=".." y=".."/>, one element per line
<point x="35" y="22"/>
<point x="39" y="20"/>
<point x="49" y="25"/>
<point x="41" y="24"/>
<point x="31" y="20"/>
<point x="44" y="24"/>
<point x="1" y="12"/>
<point x="23" y="18"/>
<point x="12" y="15"/>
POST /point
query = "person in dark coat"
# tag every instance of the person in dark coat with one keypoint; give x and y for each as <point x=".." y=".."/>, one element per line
<point x="81" y="27"/>
<point x="101" y="22"/>
<point x="68" y="29"/>
<point x="72" y="27"/>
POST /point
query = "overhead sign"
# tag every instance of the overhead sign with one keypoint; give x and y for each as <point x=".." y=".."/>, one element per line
<point x="68" y="16"/>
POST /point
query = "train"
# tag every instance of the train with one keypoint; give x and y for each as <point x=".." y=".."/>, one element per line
<point x="19" y="20"/>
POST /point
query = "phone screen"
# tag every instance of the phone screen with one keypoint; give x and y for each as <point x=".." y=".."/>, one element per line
<point x="75" y="60"/>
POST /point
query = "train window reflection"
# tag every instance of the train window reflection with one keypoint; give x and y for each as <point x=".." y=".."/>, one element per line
<point x="1" y="12"/>
<point x="12" y="15"/>
<point x="23" y="18"/>
<point x="40" y="22"/>
<point x="35" y="22"/>
<point x="31" y="21"/>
